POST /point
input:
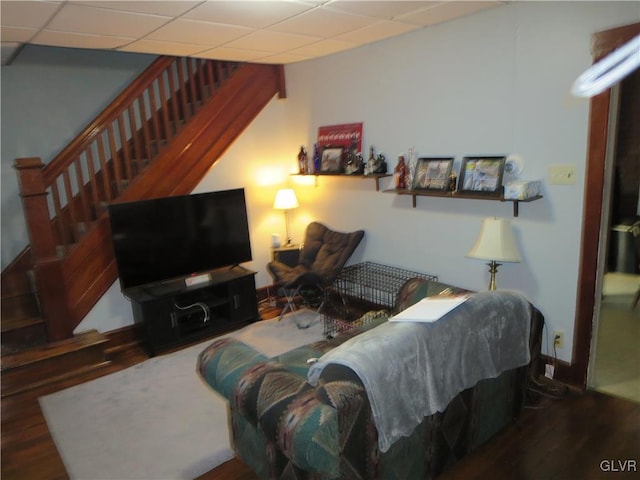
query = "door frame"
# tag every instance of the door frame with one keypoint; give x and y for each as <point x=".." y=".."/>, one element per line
<point x="576" y="373"/>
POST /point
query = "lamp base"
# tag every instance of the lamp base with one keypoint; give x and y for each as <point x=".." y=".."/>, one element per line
<point x="286" y="220"/>
<point x="493" y="269"/>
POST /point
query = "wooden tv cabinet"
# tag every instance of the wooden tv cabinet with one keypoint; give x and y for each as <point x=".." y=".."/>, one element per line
<point x="172" y="314"/>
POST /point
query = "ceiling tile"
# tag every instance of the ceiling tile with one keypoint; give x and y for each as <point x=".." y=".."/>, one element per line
<point x="98" y="21"/>
<point x="323" y="22"/>
<point x="235" y="54"/>
<point x="446" y="11"/>
<point x="250" y="30"/>
<point x="275" y="42"/>
<point x="163" y="48"/>
<point x="202" y="33"/>
<point x="254" y="14"/>
<point x="14" y="34"/>
<point x="27" y="14"/>
<point x="167" y="8"/>
<point x="283" y="58"/>
<point x="77" y="40"/>
<point x="378" y="9"/>
<point x="376" y="32"/>
<point x="322" y="48"/>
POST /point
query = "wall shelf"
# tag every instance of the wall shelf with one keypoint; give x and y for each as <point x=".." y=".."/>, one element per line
<point x="374" y="176"/>
<point x="468" y="196"/>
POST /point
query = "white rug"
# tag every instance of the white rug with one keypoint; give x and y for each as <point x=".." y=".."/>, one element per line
<point x="156" y="420"/>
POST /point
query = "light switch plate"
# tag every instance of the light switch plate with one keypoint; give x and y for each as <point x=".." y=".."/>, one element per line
<point x="562" y="174"/>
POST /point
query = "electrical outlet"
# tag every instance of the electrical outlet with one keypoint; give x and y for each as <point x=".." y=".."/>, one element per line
<point x="562" y="174"/>
<point x="558" y="339"/>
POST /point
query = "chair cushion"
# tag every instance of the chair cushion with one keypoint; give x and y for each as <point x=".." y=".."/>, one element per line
<point x="322" y="258"/>
<point x="326" y="251"/>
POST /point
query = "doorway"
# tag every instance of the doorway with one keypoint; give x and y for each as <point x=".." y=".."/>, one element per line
<point x="589" y="288"/>
<point x="615" y="354"/>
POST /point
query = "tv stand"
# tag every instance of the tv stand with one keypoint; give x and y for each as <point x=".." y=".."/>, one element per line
<point x="181" y="314"/>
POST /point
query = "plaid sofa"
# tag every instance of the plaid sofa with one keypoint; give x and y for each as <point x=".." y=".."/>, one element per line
<point x="284" y="428"/>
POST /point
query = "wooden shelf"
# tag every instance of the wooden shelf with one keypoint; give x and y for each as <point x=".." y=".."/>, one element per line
<point x="374" y="176"/>
<point x="468" y="196"/>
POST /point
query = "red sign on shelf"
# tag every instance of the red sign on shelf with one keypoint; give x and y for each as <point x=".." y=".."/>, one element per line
<point x="340" y="136"/>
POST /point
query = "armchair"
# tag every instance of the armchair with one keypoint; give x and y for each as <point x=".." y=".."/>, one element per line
<point x="322" y="258"/>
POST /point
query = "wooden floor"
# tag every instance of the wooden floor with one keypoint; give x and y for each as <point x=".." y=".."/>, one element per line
<point x="558" y="439"/>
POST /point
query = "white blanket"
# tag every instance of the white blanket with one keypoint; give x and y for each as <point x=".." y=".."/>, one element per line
<point x="413" y="370"/>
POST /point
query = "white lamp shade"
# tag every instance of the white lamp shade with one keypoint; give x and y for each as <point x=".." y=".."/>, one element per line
<point x="285" y="199"/>
<point x="495" y="242"/>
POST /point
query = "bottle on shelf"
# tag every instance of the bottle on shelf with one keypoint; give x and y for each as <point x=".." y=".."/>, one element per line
<point x="411" y="163"/>
<point x="371" y="162"/>
<point x="316" y="158"/>
<point x="400" y="174"/>
<point x="302" y="161"/>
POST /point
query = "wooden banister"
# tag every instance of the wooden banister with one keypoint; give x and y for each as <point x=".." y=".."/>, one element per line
<point x="65" y="201"/>
<point x="98" y="125"/>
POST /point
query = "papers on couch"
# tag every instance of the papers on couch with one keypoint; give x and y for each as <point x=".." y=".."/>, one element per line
<point x="429" y="309"/>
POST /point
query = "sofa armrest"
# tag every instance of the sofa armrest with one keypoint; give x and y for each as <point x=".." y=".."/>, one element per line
<point x="418" y="288"/>
<point x="286" y="409"/>
<point x="224" y="362"/>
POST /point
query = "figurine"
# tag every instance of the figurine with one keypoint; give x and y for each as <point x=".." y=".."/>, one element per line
<point x="381" y="164"/>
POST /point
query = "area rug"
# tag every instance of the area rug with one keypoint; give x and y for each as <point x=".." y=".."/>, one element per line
<point x="156" y="420"/>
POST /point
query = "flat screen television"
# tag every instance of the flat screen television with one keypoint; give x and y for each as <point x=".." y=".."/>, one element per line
<point x="174" y="237"/>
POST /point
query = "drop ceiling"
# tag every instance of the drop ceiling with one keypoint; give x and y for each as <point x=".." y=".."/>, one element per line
<point x="239" y="30"/>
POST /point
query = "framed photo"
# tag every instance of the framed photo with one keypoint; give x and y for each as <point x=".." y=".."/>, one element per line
<point x="482" y="175"/>
<point x="331" y="160"/>
<point x="432" y="174"/>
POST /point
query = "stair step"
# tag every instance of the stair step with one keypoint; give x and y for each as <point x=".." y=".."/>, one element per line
<point x="20" y="326"/>
<point x="18" y="283"/>
<point x="55" y="361"/>
<point x="21" y="305"/>
<point x="16" y="323"/>
<point x="30" y="333"/>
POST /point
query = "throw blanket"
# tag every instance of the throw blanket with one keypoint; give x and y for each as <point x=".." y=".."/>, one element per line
<point x="413" y="370"/>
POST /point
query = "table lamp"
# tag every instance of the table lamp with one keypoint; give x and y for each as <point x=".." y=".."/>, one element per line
<point x="286" y="200"/>
<point x="496" y="244"/>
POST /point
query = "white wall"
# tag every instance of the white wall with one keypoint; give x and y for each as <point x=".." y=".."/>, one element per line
<point x="496" y="82"/>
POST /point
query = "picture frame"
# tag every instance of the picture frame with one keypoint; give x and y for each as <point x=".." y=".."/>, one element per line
<point x="432" y="174"/>
<point x="482" y="175"/>
<point x="331" y="159"/>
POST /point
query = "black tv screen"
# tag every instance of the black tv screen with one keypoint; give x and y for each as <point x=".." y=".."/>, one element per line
<point x="173" y="237"/>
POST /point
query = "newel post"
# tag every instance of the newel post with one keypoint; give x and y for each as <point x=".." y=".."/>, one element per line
<point x="47" y="265"/>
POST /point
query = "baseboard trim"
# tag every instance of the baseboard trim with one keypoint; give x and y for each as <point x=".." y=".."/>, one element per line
<point x="564" y="372"/>
<point x="121" y="338"/>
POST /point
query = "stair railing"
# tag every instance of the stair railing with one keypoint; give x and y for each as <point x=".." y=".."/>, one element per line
<point x="64" y="197"/>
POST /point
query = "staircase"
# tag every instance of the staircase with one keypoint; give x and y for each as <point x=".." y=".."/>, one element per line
<point x="159" y="137"/>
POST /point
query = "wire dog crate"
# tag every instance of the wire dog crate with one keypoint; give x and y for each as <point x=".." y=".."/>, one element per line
<point x="367" y="283"/>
